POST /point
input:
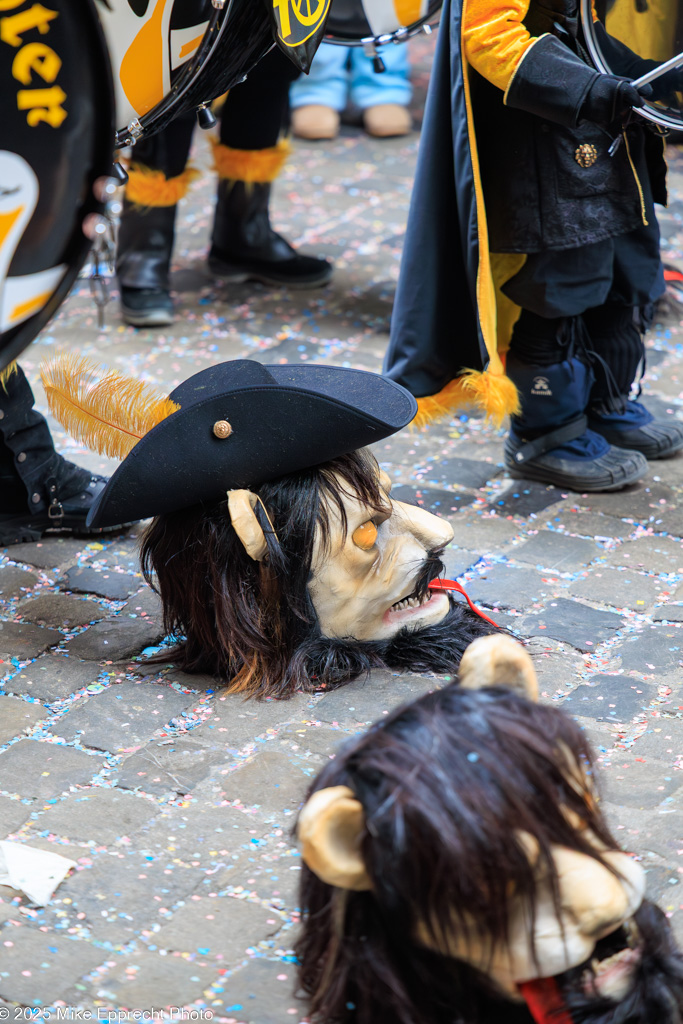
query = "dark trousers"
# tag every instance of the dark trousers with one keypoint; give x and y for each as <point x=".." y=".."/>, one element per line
<point x="254" y="116"/>
<point x="594" y="303"/>
<point x="622" y="271"/>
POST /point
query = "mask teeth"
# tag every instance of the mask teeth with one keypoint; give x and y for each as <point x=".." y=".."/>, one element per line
<point x="411" y="602"/>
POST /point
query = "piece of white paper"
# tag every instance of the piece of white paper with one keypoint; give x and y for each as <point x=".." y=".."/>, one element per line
<point x="37" y="873"/>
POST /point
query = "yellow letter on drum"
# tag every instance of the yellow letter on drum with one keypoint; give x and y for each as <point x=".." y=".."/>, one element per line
<point x="12" y="28"/>
<point x="36" y="57"/>
<point x="42" y="105"/>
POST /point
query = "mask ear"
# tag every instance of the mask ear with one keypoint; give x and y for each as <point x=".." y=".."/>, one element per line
<point x="384" y="481"/>
<point x="241" y="506"/>
<point x="330" y="829"/>
<point x="498" y="660"/>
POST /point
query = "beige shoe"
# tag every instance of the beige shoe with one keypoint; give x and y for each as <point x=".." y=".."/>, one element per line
<point x="387" y="119"/>
<point x="315" y="122"/>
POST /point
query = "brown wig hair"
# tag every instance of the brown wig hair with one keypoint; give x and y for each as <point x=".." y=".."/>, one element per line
<point x="446" y="784"/>
<point x="253" y="623"/>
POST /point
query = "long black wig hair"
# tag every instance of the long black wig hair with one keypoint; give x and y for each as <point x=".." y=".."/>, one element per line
<point x="253" y="623"/>
<point x="446" y="784"/>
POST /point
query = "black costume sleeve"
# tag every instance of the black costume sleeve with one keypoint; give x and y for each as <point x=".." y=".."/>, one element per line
<point x="551" y="82"/>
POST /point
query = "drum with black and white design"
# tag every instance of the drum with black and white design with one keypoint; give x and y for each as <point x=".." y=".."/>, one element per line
<point x="56" y="140"/>
<point x="170" y="56"/>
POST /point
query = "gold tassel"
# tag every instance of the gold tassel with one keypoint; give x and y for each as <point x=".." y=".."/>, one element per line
<point x="146" y="187"/>
<point x="250" y="165"/>
<point x="106" y="411"/>
<point x="493" y="393"/>
<point x="7" y="373"/>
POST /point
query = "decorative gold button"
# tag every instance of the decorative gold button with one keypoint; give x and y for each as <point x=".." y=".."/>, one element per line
<point x="222" y="428"/>
<point x="586" y="154"/>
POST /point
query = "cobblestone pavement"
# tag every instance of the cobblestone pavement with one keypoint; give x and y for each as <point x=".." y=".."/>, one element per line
<point x="177" y="801"/>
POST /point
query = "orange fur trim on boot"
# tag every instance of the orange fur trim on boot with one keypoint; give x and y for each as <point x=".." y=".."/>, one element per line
<point x="493" y="393"/>
<point x="259" y="166"/>
<point x="146" y="187"/>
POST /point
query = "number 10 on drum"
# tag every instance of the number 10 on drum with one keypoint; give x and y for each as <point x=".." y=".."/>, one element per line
<point x="307" y="15"/>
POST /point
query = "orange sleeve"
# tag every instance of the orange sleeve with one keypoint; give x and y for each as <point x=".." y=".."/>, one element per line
<point x="494" y="38"/>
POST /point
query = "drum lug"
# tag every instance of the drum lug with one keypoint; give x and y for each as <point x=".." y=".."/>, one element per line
<point x="218" y="4"/>
<point x="427" y="29"/>
<point x="205" y="117"/>
<point x="135" y="129"/>
<point x="370" y="50"/>
<point x="120" y="173"/>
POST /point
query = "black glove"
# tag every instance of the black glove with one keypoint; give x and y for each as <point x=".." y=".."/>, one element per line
<point x="610" y="99"/>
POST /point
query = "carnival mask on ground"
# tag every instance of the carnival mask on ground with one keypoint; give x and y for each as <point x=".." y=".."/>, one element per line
<point x="372" y="563"/>
<point x="281" y="560"/>
<point x="459" y="871"/>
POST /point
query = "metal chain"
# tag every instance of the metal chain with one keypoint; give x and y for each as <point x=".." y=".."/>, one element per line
<point x="103" y="259"/>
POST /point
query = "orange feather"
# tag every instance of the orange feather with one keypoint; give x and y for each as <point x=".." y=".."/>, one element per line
<point x="106" y="411"/>
<point x="7" y="373"/>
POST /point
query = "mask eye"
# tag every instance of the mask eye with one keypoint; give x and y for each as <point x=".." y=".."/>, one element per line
<point x="365" y="536"/>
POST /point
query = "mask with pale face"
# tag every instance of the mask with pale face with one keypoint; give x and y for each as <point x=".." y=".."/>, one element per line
<point x="371" y="566"/>
<point x="309" y="581"/>
<point x="459" y="870"/>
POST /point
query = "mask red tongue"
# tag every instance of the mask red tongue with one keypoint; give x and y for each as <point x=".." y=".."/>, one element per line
<point x="452" y="585"/>
<point x="545" y="1001"/>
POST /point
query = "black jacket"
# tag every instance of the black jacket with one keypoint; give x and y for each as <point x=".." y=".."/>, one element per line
<point x="549" y="200"/>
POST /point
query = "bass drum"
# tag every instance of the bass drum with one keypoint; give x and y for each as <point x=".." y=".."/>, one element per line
<point x="170" y="56"/>
<point x="376" y="22"/>
<point x="633" y="38"/>
<point x="56" y="131"/>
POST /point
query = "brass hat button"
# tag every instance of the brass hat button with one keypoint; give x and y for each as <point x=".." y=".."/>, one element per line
<point x="586" y="154"/>
<point x="222" y="428"/>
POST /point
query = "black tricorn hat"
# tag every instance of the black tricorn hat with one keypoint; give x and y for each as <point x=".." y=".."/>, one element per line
<point x="240" y="424"/>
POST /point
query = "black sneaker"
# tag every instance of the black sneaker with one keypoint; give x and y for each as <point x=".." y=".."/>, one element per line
<point x="67" y="516"/>
<point x="146" y="307"/>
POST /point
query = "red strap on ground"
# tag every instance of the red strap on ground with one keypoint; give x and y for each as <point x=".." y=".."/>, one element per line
<point x="452" y="585"/>
<point x="545" y="1002"/>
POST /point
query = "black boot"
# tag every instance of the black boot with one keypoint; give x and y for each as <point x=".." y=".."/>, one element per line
<point x="158" y="179"/>
<point x="246" y="248"/>
<point x="39" y="490"/>
<point x="550" y="441"/>
<point x="616" y="338"/>
<point x="143" y="259"/>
